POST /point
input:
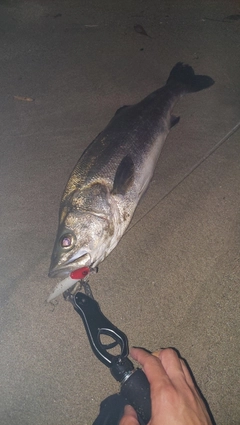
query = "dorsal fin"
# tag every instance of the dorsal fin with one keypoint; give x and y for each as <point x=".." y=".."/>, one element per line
<point x="124" y="176"/>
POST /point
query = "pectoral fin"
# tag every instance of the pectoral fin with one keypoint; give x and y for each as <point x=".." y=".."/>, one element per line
<point x="124" y="176"/>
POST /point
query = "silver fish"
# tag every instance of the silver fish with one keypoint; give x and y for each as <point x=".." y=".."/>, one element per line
<point x="113" y="173"/>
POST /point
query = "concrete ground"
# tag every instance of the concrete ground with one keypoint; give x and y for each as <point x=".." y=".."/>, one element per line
<point x="173" y="280"/>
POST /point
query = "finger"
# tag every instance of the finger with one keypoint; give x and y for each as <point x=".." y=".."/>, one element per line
<point x="157" y="353"/>
<point x="187" y="375"/>
<point x="129" y="417"/>
<point x="172" y="364"/>
<point x="152" y="367"/>
<point x="156" y="375"/>
<point x="177" y="370"/>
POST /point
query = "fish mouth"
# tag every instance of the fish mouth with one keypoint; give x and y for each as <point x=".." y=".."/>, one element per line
<point x="63" y="270"/>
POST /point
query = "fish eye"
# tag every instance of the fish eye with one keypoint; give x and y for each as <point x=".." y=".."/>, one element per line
<point x="66" y="241"/>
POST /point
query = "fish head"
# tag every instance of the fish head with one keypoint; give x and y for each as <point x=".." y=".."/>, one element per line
<point x="78" y="243"/>
<point x="82" y="238"/>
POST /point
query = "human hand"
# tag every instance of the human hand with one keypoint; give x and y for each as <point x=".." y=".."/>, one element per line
<point x="174" y="398"/>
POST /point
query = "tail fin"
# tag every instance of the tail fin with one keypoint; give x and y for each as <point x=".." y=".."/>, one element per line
<point x="184" y="75"/>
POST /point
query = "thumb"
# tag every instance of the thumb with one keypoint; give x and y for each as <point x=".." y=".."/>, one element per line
<point x="129" y="417"/>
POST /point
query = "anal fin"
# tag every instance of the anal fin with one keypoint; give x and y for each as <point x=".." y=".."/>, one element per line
<point x="174" y="120"/>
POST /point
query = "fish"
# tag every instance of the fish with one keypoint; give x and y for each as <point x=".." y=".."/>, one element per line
<point x="113" y="173"/>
